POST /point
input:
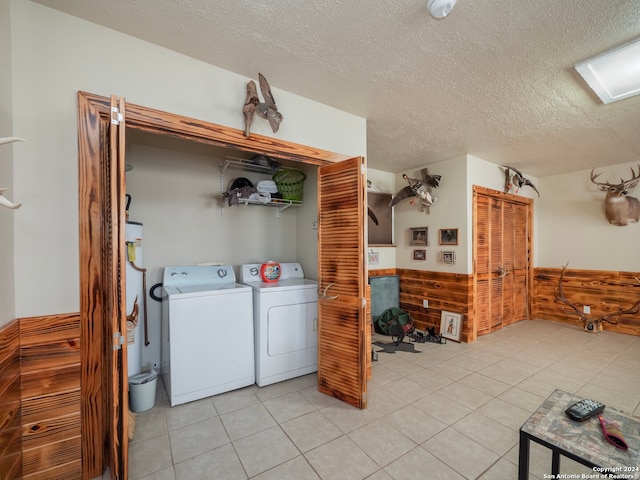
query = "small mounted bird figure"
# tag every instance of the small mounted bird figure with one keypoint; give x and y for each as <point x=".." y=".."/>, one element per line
<point x="267" y="109"/>
<point x="516" y="180"/>
<point x="249" y="107"/>
<point x="420" y="189"/>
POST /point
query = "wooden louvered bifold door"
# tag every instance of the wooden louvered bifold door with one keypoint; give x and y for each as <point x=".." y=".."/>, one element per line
<point x="501" y="268"/>
<point x="342" y="334"/>
<point x="116" y="376"/>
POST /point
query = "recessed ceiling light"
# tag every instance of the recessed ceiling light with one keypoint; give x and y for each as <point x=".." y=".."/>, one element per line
<point x="614" y="75"/>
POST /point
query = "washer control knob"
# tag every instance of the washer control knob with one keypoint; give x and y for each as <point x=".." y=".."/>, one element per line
<point x="222" y="273"/>
<point x="254" y="271"/>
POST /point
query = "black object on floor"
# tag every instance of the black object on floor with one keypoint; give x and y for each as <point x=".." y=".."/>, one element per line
<point x="428" y="336"/>
<point x="393" y="348"/>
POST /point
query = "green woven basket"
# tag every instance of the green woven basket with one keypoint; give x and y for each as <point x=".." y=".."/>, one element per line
<point x="290" y="182"/>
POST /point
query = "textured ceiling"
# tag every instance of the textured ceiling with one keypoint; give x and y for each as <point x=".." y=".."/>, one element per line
<point x="494" y="79"/>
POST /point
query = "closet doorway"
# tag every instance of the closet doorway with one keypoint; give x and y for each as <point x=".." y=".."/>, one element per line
<point x="502" y="239"/>
<point x="101" y="182"/>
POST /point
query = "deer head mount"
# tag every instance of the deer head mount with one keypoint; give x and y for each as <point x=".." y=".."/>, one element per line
<point x="620" y="209"/>
<point x="592" y="324"/>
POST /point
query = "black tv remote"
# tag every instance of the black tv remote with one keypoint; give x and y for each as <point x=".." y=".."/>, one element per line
<point x="584" y="409"/>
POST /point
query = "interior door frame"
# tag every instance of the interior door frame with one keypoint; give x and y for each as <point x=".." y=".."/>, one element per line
<point x="509" y="197"/>
<point x="95" y="272"/>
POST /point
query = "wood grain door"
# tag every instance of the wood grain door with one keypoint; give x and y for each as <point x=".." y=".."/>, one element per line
<point x="342" y="271"/>
<point x="502" y="253"/>
<point x="117" y="396"/>
<point x="104" y="400"/>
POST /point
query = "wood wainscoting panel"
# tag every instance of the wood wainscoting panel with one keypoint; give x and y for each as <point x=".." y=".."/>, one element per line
<point x="452" y="292"/>
<point x="50" y="373"/>
<point x="10" y="412"/>
<point x="604" y="291"/>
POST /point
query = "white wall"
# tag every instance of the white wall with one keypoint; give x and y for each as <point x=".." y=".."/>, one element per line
<point x="380" y="258"/>
<point x="454" y="209"/>
<point x="381" y="182"/>
<point x="54" y="56"/>
<point x="490" y="175"/>
<point x="449" y="211"/>
<point x="306" y="248"/>
<point x="7" y="292"/>
<point x="573" y="227"/>
<point x="175" y="190"/>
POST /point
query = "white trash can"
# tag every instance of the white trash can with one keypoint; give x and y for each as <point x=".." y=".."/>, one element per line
<point x="142" y="391"/>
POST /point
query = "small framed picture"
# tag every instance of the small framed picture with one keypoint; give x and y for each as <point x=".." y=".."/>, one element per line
<point x="451" y="325"/>
<point x="449" y="236"/>
<point x="419" y="236"/>
<point x="419" y="254"/>
<point x="448" y="257"/>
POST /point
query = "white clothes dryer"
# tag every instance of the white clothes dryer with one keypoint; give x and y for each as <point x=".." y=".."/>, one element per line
<point x="207" y="333"/>
<point x="285" y="315"/>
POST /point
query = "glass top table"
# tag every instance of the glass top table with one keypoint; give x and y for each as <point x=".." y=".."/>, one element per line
<point x="583" y="442"/>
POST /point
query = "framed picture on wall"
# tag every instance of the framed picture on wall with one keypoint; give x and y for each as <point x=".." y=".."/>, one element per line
<point x="448" y="257"/>
<point x="449" y="236"/>
<point x="419" y="236"/>
<point x="451" y="325"/>
<point x="419" y="254"/>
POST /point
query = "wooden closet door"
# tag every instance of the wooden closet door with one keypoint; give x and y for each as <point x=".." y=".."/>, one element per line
<point x="502" y="254"/>
<point x="104" y="402"/>
<point x="118" y="406"/>
<point x="342" y="271"/>
<point x="515" y="234"/>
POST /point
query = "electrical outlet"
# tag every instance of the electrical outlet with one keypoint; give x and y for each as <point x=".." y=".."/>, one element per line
<point x="587" y="309"/>
<point x="425" y="303"/>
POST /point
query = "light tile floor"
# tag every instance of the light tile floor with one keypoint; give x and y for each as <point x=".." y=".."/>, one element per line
<point x="452" y="411"/>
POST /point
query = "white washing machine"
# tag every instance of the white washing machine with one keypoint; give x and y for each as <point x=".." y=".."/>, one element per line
<point x="207" y="332"/>
<point x="285" y="315"/>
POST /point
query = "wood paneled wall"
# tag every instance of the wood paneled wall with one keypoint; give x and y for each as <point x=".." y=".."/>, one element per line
<point x="40" y="358"/>
<point x="445" y="291"/>
<point x="40" y="398"/>
<point x="50" y="370"/>
<point x="604" y="291"/>
<point x="10" y="412"/>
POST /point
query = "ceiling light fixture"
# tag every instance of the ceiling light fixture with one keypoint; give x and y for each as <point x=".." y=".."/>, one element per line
<point x="614" y="75"/>
<point x="440" y="8"/>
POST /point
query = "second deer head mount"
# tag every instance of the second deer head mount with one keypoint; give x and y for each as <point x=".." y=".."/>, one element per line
<point x="620" y="208"/>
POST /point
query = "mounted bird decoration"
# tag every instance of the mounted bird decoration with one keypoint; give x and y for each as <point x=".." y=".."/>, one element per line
<point x="267" y="109"/>
<point x="419" y="189"/>
<point x="516" y="180"/>
<point x="3" y="200"/>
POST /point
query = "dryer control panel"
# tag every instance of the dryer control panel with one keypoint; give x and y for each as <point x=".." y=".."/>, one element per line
<point x="198" y="275"/>
<point x="250" y="272"/>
